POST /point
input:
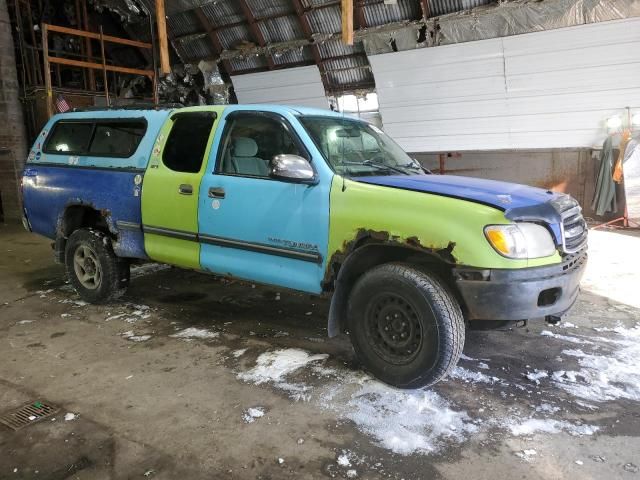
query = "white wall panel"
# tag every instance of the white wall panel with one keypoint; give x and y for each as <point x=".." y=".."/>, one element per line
<point x="552" y="89"/>
<point x="300" y="86"/>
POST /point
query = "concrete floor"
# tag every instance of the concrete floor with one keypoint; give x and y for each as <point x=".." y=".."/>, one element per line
<point x="245" y="391"/>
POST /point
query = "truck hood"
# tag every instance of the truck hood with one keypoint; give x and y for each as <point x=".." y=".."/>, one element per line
<point x="501" y="195"/>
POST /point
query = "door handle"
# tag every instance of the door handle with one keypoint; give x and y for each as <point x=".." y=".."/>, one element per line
<point x="185" y="189"/>
<point x="216" y="192"/>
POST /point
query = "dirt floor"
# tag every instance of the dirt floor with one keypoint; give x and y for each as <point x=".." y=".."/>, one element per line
<point x="196" y="377"/>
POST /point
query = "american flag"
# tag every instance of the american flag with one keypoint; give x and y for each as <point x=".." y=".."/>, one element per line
<point x="62" y="105"/>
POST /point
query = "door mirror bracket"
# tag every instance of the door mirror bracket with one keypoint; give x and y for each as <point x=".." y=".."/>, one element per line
<point x="292" y="168"/>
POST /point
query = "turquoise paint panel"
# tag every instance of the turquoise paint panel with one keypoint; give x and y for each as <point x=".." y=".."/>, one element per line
<point x="155" y="119"/>
<point x="266" y="212"/>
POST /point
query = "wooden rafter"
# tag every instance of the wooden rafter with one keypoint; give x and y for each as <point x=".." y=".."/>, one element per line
<point x="315" y="50"/>
<point x="214" y="37"/>
<point x="347" y="21"/>
<point x="426" y="11"/>
<point x="163" y="41"/>
<point x="254" y="28"/>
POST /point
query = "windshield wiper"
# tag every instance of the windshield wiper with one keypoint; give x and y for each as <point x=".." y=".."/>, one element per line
<point x="369" y="163"/>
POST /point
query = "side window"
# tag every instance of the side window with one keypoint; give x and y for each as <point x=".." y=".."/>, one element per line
<point x="117" y="139"/>
<point x="250" y="144"/>
<point x="187" y="141"/>
<point x="69" y="137"/>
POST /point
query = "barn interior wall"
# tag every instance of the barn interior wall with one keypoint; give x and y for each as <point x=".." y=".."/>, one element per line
<point x="572" y="171"/>
<point x="12" y="128"/>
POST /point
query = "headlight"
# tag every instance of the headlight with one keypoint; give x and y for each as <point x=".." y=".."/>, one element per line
<point x="520" y="240"/>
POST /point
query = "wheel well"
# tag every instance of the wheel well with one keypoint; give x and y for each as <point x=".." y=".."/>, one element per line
<point x="79" y="216"/>
<point x="366" y="257"/>
<point x="74" y="218"/>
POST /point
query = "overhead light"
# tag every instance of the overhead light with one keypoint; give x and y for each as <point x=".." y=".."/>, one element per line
<point x="635" y="120"/>
<point x="614" y="122"/>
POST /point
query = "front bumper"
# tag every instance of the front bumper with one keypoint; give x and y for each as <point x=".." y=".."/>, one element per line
<point x="521" y="294"/>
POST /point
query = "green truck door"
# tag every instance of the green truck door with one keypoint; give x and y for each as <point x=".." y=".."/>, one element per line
<point x="171" y="186"/>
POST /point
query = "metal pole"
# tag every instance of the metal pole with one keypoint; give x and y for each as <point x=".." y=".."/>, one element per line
<point x="104" y="68"/>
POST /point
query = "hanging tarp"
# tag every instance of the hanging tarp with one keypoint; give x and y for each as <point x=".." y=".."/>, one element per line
<point x="604" y="199"/>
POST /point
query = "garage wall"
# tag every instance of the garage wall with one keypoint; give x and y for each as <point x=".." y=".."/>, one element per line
<point x="552" y="89"/>
<point x="294" y="86"/>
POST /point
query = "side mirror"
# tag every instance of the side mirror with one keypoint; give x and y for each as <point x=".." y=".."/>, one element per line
<point x="292" y="168"/>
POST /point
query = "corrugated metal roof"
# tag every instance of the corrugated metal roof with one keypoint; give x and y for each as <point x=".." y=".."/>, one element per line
<point x="223" y="12"/>
<point x="281" y="29"/>
<point x="335" y="48"/>
<point x="278" y="23"/>
<point x="173" y="7"/>
<point x="183" y="24"/>
<point x="254" y="61"/>
<point x="325" y="20"/>
<point x="442" y="7"/>
<point x="376" y="14"/>
<point x="292" y="56"/>
<point x="232" y="37"/>
<point x="316" y="3"/>
<point x="265" y="8"/>
<point x="195" y="49"/>
<point x="349" y="72"/>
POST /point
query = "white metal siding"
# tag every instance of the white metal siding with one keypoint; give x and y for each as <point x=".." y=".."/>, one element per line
<point x="300" y="86"/>
<point x="551" y="89"/>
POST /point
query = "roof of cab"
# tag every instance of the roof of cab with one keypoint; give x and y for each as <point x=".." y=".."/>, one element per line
<point x="113" y="113"/>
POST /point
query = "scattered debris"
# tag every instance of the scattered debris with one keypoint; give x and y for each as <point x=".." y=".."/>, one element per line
<point x="253" y="413"/>
<point x="68" y="417"/>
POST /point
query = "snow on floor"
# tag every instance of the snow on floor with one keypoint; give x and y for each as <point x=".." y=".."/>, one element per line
<point x="605" y="374"/>
<point x="274" y="366"/>
<point x="252" y="414"/>
<point x="193" y="332"/>
<point x="147" y="269"/>
<point x="402" y="421"/>
<point x="613" y="266"/>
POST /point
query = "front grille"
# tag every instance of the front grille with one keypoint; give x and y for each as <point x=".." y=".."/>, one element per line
<point x="574" y="228"/>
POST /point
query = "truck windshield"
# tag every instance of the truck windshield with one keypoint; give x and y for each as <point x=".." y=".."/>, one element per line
<point x="356" y="148"/>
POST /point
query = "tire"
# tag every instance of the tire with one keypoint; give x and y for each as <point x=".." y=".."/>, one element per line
<point x="405" y="325"/>
<point x="95" y="272"/>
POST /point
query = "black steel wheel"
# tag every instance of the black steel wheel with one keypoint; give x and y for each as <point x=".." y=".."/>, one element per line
<point x="405" y="325"/>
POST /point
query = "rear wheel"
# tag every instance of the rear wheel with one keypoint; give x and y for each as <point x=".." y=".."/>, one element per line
<point x="95" y="272"/>
<point x="405" y="325"/>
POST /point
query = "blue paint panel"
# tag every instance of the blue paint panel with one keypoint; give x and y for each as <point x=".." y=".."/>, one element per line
<point x="267" y="212"/>
<point x="49" y="190"/>
<point x="488" y="192"/>
<point x="155" y="119"/>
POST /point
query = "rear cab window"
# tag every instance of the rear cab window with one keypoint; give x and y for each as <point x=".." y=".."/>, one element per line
<point x="104" y="138"/>
<point x="120" y="139"/>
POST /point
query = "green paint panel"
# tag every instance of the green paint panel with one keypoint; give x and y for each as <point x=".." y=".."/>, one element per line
<point x="434" y="220"/>
<point x="163" y="206"/>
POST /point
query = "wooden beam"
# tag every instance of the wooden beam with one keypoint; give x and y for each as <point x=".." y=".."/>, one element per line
<point x="347" y="21"/>
<point x="255" y="29"/>
<point x="214" y="37"/>
<point x="361" y="20"/>
<point x="87" y="45"/>
<point x="426" y="11"/>
<point x="96" y="36"/>
<point x="161" y="20"/>
<point x="315" y="51"/>
<point x="96" y="66"/>
<point x="47" y="70"/>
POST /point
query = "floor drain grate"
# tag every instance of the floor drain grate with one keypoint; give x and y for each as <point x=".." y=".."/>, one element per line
<point x="27" y="415"/>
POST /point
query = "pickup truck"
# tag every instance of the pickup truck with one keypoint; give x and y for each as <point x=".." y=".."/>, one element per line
<point x="309" y="200"/>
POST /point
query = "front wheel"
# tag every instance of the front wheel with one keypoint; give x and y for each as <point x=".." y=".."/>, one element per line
<point x="95" y="272"/>
<point x="405" y="325"/>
